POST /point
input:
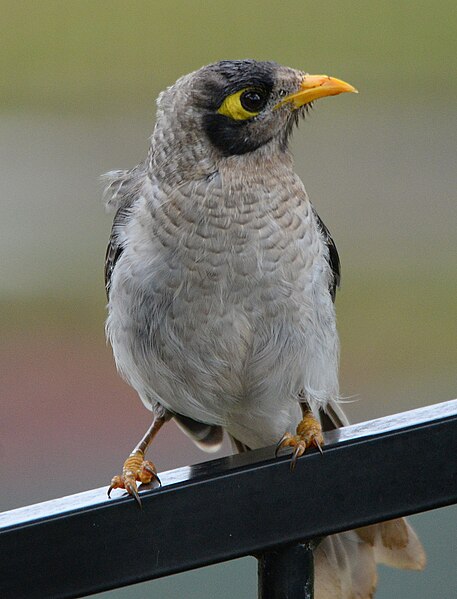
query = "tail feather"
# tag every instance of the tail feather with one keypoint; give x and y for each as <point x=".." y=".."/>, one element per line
<point x="395" y="544"/>
<point x="345" y="563"/>
<point x="208" y="437"/>
<point x="344" y="568"/>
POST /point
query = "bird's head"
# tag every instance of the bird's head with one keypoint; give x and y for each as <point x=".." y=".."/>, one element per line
<point x="235" y="107"/>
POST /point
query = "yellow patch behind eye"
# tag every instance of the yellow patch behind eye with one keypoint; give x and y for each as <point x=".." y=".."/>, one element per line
<point x="232" y="108"/>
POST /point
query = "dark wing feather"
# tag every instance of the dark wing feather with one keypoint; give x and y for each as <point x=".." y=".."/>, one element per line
<point x="207" y="436"/>
<point x="114" y="249"/>
<point x="332" y="416"/>
<point x="333" y="257"/>
<point x="123" y="188"/>
<point x="238" y="446"/>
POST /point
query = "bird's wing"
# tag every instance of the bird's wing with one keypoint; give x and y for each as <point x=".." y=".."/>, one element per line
<point x="206" y="436"/>
<point x="123" y="188"/>
<point x="333" y="257"/>
<point x="332" y="416"/>
<point x="114" y="249"/>
<point x="237" y="445"/>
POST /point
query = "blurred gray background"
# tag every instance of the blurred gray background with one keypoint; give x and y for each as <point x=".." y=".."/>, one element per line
<point x="77" y="92"/>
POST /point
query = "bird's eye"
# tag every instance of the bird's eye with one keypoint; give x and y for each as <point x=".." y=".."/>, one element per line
<point x="244" y="104"/>
<point x="252" y="100"/>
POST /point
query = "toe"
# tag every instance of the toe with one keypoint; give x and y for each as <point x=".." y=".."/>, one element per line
<point x="308" y="434"/>
<point x="135" y="469"/>
<point x="148" y="473"/>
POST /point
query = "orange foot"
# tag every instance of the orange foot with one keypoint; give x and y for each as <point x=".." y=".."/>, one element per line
<point x="135" y="468"/>
<point x="309" y="434"/>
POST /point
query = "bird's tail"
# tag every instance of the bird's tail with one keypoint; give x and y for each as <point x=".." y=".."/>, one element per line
<point x="345" y="564"/>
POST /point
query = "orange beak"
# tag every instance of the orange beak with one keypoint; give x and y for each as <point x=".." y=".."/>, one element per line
<point x="314" y="87"/>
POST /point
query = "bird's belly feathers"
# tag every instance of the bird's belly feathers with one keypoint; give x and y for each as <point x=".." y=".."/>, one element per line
<point x="228" y="330"/>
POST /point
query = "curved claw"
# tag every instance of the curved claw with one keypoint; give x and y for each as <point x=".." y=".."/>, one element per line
<point x="149" y="468"/>
<point x="298" y="451"/>
<point x="132" y="490"/>
<point x="136" y="468"/>
<point x="121" y="482"/>
<point x="308" y="434"/>
<point x="279" y="445"/>
<point x="116" y="482"/>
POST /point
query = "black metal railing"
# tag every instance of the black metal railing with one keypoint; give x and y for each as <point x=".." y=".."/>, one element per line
<point x="249" y="504"/>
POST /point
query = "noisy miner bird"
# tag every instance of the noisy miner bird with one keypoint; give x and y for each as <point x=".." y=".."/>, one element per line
<point x="221" y="279"/>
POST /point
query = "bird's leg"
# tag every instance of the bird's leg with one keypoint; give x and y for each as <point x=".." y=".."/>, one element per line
<point x="308" y="434"/>
<point x="136" y="468"/>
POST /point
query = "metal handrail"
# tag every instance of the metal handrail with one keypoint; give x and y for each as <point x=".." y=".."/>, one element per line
<point x="248" y="504"/>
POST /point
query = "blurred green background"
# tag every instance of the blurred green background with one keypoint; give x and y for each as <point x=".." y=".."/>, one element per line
<point x="77" y="89"/>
